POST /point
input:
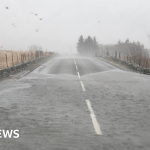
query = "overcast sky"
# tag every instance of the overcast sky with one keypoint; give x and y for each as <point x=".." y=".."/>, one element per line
<point x="63" y="21"/>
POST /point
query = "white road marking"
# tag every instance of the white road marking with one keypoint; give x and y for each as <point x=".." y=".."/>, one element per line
<point x="94" y="120"/>
<point x="83" y="88"/>
<point x="78" y="74"/>
<point x="74" y="61"/>
<point x="76" y="67"/>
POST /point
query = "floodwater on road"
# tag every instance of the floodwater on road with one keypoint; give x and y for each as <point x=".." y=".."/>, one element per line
<point x="49" y="108"/>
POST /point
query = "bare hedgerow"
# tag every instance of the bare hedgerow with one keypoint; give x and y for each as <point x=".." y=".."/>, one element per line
<point x="129" y="51"/>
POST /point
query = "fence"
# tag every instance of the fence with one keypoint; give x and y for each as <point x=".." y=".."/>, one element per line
<point x="142" y="64"/>
<point x="11" y="58"/>
<point x="142" y="61"/>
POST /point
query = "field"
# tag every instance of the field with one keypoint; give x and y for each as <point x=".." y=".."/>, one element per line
<point x="11" y="58"/>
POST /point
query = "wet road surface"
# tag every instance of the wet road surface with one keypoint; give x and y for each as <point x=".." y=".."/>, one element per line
<point x="75" y="103"/>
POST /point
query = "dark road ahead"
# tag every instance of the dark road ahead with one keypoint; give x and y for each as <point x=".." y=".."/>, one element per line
<point x="66" y="65"/>
<point x="75" y="103"/>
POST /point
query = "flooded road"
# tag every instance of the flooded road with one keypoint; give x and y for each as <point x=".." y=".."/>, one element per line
<point x="76" y="103"/>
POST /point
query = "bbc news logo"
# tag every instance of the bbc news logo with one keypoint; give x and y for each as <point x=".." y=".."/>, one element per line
<point x="9" y="134"/>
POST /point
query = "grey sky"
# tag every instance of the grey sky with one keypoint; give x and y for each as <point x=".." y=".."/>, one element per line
<point x="65" y="20"/>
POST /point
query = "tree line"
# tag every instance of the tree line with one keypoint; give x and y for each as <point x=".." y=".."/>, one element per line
<point x="88" y="46"/>
<point x="135" y="52"/>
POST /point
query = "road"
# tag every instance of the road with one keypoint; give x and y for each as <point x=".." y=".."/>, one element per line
<point x="76" y="103"/>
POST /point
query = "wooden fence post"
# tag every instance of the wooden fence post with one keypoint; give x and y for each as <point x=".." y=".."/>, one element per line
<point x="17" y="59"/>
<point x="21" y="58"/>
<point x="119" y="55"/>
<point x="116" y="54"/>
<point x="6" y="61"/>
<point x="12" y="60"/>
<point x="147" y="63"/>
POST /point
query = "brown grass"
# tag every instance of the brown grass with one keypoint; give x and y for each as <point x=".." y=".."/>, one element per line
<point x="11" y="58"/>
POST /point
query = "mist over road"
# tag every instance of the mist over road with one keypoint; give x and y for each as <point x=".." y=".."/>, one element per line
<point x="77" y="103"/>
<point x="66" y="65"/>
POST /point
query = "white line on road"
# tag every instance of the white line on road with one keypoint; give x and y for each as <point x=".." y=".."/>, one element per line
<point x="78" y="74"/>
<point x="94" y="120"/>
<point x="74" y="61"/>
<point x="83" y="88"/>
<point x="76" y="67"/>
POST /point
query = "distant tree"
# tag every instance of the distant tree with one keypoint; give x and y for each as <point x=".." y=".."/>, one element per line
<point x="34" y="48"/>
<point x="127" y="40"/>
<point x="37" y="49"/>
<point x="119" y="42"/>
<point x="88" y="46"/>
<point x="142" y="46"/>
<point x="95" y="45"/>
<point x="80" y="45"/>
<point x="133" y="52"/>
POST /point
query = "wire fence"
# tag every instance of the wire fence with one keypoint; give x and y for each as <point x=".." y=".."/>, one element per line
<point x="142" y="61"/>
<point x="11" y="58"/>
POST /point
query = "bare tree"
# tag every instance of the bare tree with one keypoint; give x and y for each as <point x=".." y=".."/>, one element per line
<point x="37" y="49"/>
<point x="133" y="52"/>
<point x="34" y="48"/>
